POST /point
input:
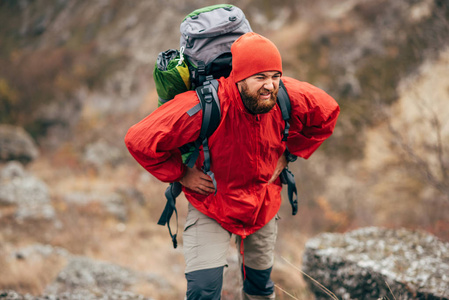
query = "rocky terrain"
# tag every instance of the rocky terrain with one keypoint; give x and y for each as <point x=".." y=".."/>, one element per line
<point x="82" y="277"/>
<point x="78" y="215"/>
<point x="370" y="263"/>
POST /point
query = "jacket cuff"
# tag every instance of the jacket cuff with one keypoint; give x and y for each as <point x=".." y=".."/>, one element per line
<point x="183" y="172"/>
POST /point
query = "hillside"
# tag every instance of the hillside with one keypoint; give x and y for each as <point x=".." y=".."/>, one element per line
<point x="77" y="74"/>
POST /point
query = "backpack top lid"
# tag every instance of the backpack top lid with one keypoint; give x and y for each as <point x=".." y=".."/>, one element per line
<point x="209" y="32"/>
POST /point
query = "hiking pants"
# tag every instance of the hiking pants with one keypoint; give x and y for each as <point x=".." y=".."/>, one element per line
<point x="206" y="246"/>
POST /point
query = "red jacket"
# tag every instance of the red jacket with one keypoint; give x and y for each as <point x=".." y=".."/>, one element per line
<point x="244" y="149"/>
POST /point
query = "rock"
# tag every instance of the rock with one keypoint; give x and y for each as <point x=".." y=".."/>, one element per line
<point x="116" y="203"/>
<point x="39" y="252"/>
<point x="27" y="193"/>
<point x="359" y="264"/>
<point x="16" y="144"/>
<point x="85" y="273"/>
<point x="100" y="154"/>
<point x="113" y="202"/>
<point x="79" y="295"/>
<point x="12" y="295"/>
<point x="85" y="278"/>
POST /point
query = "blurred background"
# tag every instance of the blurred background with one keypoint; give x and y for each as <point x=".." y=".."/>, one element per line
<point x="76" y="74"/>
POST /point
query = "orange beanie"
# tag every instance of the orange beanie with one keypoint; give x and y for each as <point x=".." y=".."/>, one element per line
<point x="252" y="54"/>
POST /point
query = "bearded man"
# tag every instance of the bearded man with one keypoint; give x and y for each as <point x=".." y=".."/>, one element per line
<point x="248" y="155"/>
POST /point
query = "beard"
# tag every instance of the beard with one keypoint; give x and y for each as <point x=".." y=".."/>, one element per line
<point x="255" y="105"/>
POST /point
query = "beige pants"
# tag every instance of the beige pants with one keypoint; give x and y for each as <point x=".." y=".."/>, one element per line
<point x="206" y="245"/>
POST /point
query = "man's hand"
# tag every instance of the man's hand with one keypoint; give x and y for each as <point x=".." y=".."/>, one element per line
<point x="197" y="181"/>
<point x="282" y="163"/>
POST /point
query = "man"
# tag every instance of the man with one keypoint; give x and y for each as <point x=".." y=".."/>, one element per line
<point x="247" y="155"/>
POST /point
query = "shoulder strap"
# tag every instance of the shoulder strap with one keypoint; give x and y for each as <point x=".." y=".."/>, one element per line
<point x="287" y="177"/>
<point x="210" y="104"/>
<point x="283" y="101"/>
<point x="172" y="191"/>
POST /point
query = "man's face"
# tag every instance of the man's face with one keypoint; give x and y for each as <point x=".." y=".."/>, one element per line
<point x="259" y="91"/>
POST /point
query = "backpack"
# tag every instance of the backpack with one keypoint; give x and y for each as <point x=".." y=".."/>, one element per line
<point x="205" y="50"/>
<point x="204" y="56"/>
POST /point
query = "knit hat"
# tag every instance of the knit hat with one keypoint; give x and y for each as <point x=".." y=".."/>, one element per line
<point x="252" y="54"/>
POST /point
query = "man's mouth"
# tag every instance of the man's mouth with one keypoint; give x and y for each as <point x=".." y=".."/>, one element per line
<point x="265" y="96"/>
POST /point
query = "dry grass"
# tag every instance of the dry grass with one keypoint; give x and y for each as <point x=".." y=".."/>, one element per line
<point x="87" y="229"/>
<point x="30" y="275"/>
<point x="137" y="242"/>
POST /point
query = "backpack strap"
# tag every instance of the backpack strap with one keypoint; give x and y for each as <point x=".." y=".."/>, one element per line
<point x="286" y="176"/>
<point x="173" y="191"/>
<point x="210" y="104"/>
<point x="211" y="120"/>
<point x="283" y="101"/>
<point x="200" y="74"/>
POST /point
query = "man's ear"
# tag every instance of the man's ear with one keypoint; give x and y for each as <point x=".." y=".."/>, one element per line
<point x="240" y="85"/>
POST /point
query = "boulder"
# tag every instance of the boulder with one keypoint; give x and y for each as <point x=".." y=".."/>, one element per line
<point x="39" y="252"/>
<point x="85" y="274"/>
<point x="87" y="278"/>
<point x="101" y="154"/>
<point x="80" y="295"/>
<point x="112" y="202"/>
<point x="116" y="203"/>
<point x="27" y="194"/>
<point x="83" y="278"/>
<point x="16" y="144"/>
<point x="371" y="263"/>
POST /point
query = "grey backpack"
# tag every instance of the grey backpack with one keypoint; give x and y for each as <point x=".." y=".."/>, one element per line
<point x="205" y="50"/>
<point x="206" y="38"/>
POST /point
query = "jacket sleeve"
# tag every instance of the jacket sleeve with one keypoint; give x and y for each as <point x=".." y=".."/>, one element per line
<point x="313" y="118"/>
<point x="155" y="140"/>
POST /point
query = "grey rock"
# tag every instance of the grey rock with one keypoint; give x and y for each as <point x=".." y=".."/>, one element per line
<point x="85" y="278"/>
<point x="83" y="272"/>
<point x="39" y="251"/>
<point x="101" y="153"/>
<point x="367" y="263"/>
<point x="12" y="295"/>
<point x="78" y="295"/>
<point x="113" y="203"/>
<point x="29" y="194"/>
<point x="13" y="169"/>
<point x="16" y="144"/>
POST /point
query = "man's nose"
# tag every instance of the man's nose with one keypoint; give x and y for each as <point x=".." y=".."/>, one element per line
<point x="269" y="84"/>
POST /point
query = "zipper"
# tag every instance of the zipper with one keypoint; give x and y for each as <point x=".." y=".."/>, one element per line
<point x="257" y="150"/>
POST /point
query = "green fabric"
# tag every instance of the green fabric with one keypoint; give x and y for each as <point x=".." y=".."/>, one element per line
<point x="207" y="9"/>
<point x="186" y="155"/>
<point x="171" y="78"/>
<point x="172" y="81"/>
